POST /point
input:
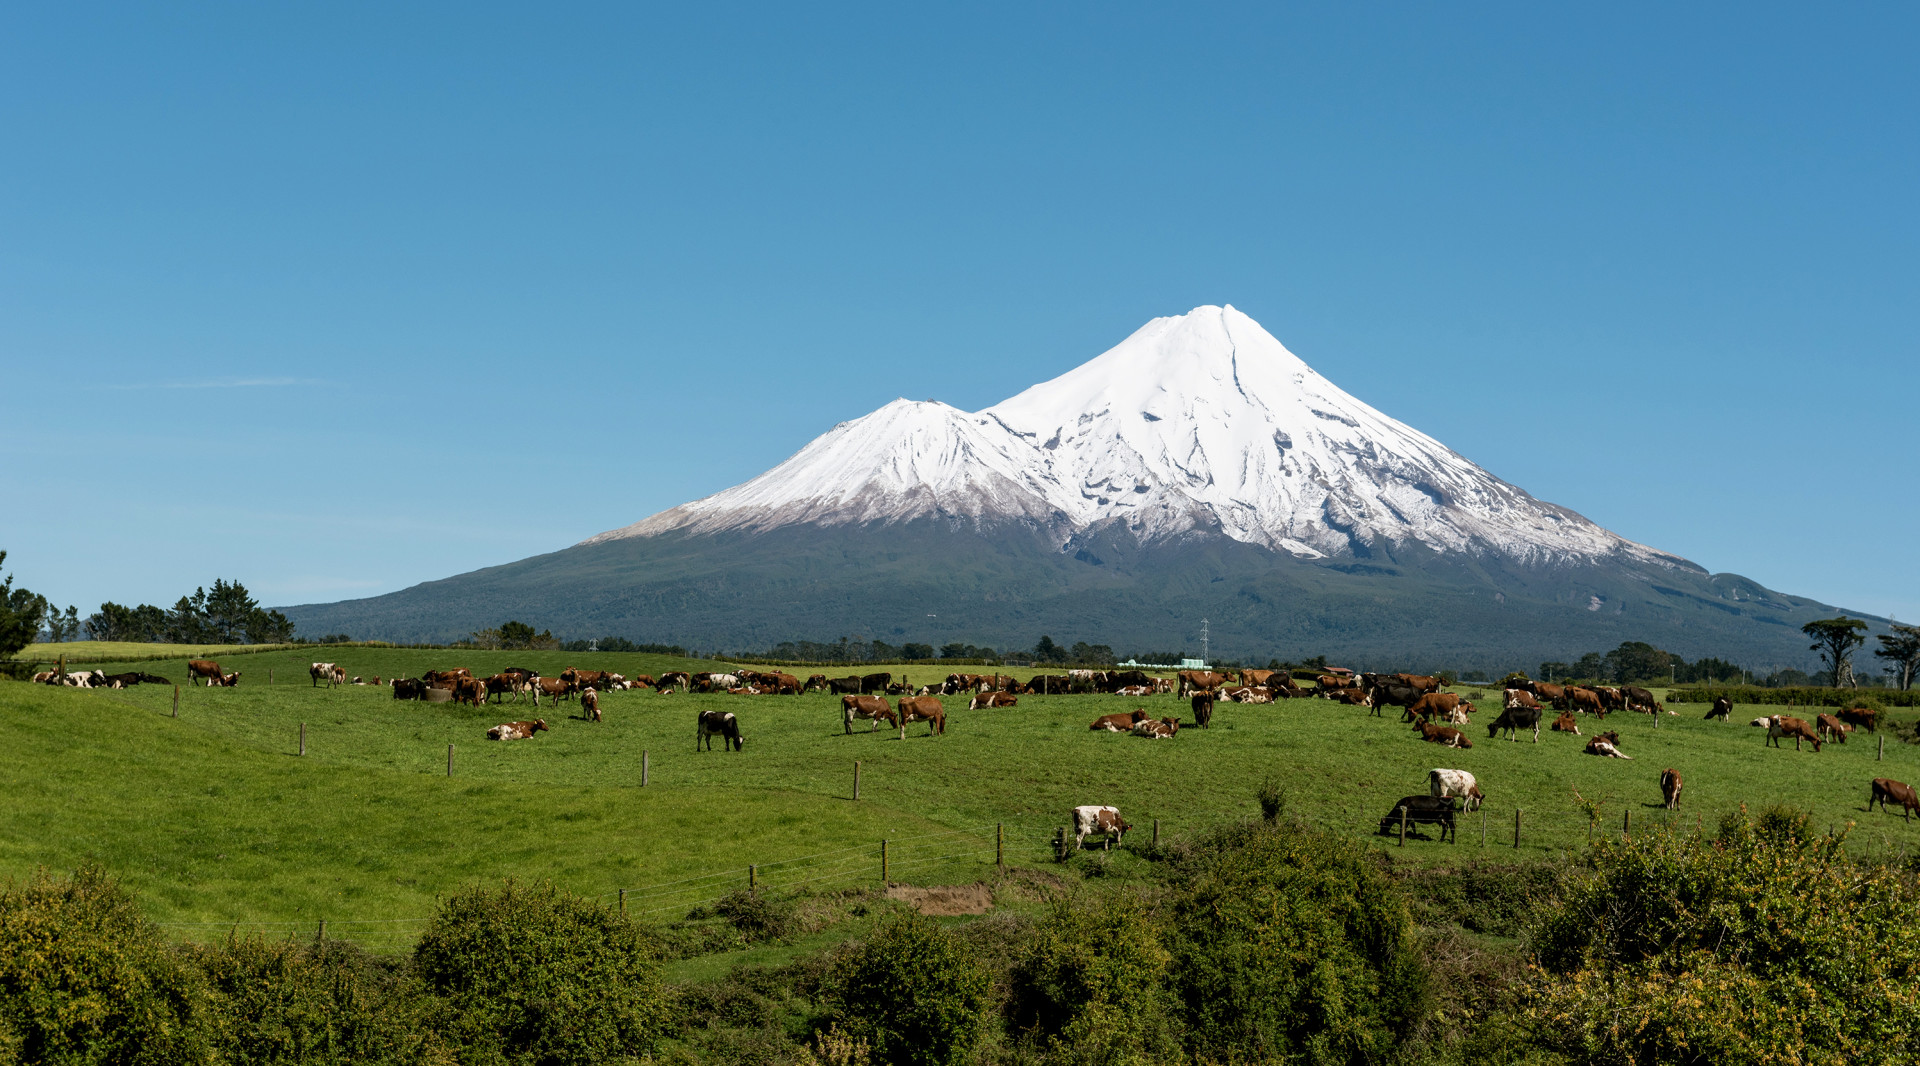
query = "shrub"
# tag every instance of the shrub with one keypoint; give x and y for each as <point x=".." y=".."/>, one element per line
<point x="758" y="917"/>
<point x="1088" y="983"/>
<point x="537" y="975"/>
<point x="284" y="1002"/>
<point x="910" y="993"/>
<point x="1290" y="944"/>
<point x="84" y="978"/>
<point x="1764" y="944"/>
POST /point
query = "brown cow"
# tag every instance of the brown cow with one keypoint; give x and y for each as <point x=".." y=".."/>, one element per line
<point x="1420" y="681"/>
<point x="590" y="703"/>
<point x="1555" y="695"/>
<point x="1163" y="729"/>
<point x="1865" y="717"/>
<point x="1444" y="735"/>
<point x="435" y="676"/>
<point x="1352" y="697"/>
<point x="207" y="668"/>
<point x="1566" y="724"/>
<point x="1203" y="710"/>
<point x="875" y="709"/>
<point x="1785" y="725"/>
<point x="552" y="687"/>
<point x="469" y="690"/>
<point x="516" y="730"/>
<point x="502" y="685"/>
<point x="1192" y="681"/>
<point x="923" y="709"/>
<point x="1833" y="729"/>
<point x="1886" y="788"/>
<point x="1670" y="787"/>
<point x="1119" y="723"/>
<point x="1586" y="701"/>
<point x="1607" y="744"/>
<point x="1438" y="707"/>
<point x="992" y="699"/>
<point x="1252" y="678"/>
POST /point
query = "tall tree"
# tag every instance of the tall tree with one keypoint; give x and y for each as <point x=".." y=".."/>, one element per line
<point x="269" y="627"/>
<point x="113" y="622"/>
<point x="1901" y="648"/>
<point x="1835" y="639"/>
<point x="20" y="615"/>
<point x="229" y="607"/>
<point x="187" y="622"/>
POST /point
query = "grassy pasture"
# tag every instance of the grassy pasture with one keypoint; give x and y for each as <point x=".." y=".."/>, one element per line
<point x="213" y="817"/>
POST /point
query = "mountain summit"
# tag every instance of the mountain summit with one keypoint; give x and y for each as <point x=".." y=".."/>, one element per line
<point x="1201" y="422"/>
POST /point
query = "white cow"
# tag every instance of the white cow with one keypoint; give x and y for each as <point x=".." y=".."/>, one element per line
<point x="331" y="673"/>
<point x="1091" y="821"/>
<point x="1444" y="784"/>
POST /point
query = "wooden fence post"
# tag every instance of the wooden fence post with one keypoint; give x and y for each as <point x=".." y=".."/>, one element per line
<point x="1626" y="823"/>
<point x="1000" y="846"/>
<point x="1156" y="832"/>
<point x="856" y="780"/>
<point x="303" y="739"/>
<point x="623" y="901"/>
<point x="753" y="879"/>
<point x="643" y="767"/>
<point x="449" y="760"/>
<point x="176" y="701"/>
<point x="1516" y="828"/>
<point x="1403" y="827"/>
<point x="1882" y="753"/>
<point x="1483" y="825"/>
<point x="883" y="863"/>
<point x="323" y="929"/>
<point x="269" y="675"/>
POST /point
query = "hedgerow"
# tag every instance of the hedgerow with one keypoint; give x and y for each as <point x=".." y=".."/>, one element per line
<point x="1804" y="697"/>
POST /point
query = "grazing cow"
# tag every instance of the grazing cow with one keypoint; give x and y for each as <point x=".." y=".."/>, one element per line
<point x="1420" y="681"/>
<point x="1519" y="697"/>
<point x="1865" y="717"/>
<point x="328" y="672"/>
<point x="1098" y="821"/>
<point x="1722" y="708"/>
<point x="923" y="709"/>
<point x="1640" y="699"/>
<point x="1612" y="698"/>
<point x="1161" y="729"/>
<point x="1449" y="784"/>
<point x="502" y="685"/>
<point x="582" y="678"/>
<point x="673" y="680"/>
<point x="1118" y="723"/>
<point x="1203" y="710"/>
<point x="1049" y="684"/>
<point x="1832" y="729"/>
<point x="1440" y="734"/>
<point x="1886" y="788"/>
<point x="1585" y="701"/>
<point x="207" y="668"/>
<point x="551" y="687"/>
<point x="1421" y="810"/>
<point x="786" y="684"/>
<point x="407" y="688"/>
<point x="470" y="691"/>
<point x="1566" y="724"/>
<point x="720" y="724"/>
<point x="1555" y="695"/>
<point x="1514" y="719"/>
<point x="590" y="703"/>
<point x="1607" y="744"/>
<point x="1438" y="707"/>
<point x="1785" y="725"/>
<point x="815" y="683"/>
<point x="872" y="683"/>
<point x="516" y="730"/>
<point x="875" y="709"/>
<point x="445" y="678"/>
<point x="992" y="699"/>
<point x="1670" y="788"/>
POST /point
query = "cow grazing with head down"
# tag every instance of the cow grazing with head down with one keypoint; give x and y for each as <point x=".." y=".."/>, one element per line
<point x="1670" y="788"/>
<point x="1203" y="710"/>
<point x="923" y="709"/>
<point x="1639" y="699"/>
<point x="1446" y="736"/>
<point x="407" y="688"/>
<point x="720" y="724"/>
<point x="590" y="704"/>
<point x="1098" y="821"/>
<point x="516" y="730"/>
<point x="1608" y="745"/>
<point x="1832" y="729"/>
<point x="1722" y="708"/>
<point x="875" y="709"/>
<point x="673" y="680"/>
<point x="1438" y="707"/>
<point x="1886" y="789"/>
<point x="1514" y="719"/>
<point x="1421" y="810"/>
<point x="1566" y="724"/>
<point x="1585" y="701"/>
<point x="1451" y="784"/>
<point x="1785" y="725"/>
<point x="203" y="668"/>
<point x="1118" y="723"/>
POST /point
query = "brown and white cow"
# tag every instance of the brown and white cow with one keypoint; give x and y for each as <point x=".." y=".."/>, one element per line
<point x="516" y="730"/>
<point x="1449" y="784"/>
<point x="1156" y="729"/>
<point x="331" y="673"/>
<point x="590" y="703"/>
<point x="551" y="687"/>
<point x="992" y="699"/>
<point x="1098" y="821"/>
<point x="1566" y="724"/>
<point x="1439" y="707"/>
<point x="203" y="668"/>
<point x="1607" y="744"/>
<point x="1670" y="784"/>
<point x="1118" y="723"/>
<point x="1192" y="681"/>
<point x="1886" y="789"/>
<point x="1722" y="708"/>
<point x="1832" y="729"/>
<point x="923" y="709"/>
<point x="1444" y="735"/>
<point x="1585" y="701"/>
<point x="469" y="690"/>
<point x="875" y="709"/>
<point x="1785" y="725"/>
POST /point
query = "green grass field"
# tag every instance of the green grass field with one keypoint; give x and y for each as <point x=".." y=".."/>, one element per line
<point x="214" y="817"/>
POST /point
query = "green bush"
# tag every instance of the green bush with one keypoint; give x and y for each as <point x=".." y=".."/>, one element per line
<point x="1087" y="987"/>
<point x="537" y="975"/>
<point x="911" y="993"/>
<point x="1290" y="944"/>
<point x="84" y="979"/>
<point x="1878" y="699"/>
<point x="1762" y="945"/>
<point x="758" y="917"/>
<point x="284" y="1002"/>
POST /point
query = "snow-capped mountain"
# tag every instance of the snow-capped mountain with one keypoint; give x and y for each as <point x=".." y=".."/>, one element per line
<point x="1201" y="422"/>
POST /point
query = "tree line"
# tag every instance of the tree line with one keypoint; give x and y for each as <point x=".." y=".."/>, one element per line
<point x="1837" y="640"/>
<point x="226" y="614"/>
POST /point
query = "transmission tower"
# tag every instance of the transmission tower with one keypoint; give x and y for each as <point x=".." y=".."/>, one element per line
<point x="1203" y="641"/>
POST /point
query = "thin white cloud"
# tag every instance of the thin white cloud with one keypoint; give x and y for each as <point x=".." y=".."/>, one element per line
<point x="224" y="383"/>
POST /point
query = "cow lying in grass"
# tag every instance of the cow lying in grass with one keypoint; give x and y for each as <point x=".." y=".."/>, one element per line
<point x="1119" y="723"/>
<point x="1607" y="744"/>
<point x="1566" y="724"/>
<point x="1443" y="735"/>
<point x="516" y="730"/>
<point x="1163" y="729"/>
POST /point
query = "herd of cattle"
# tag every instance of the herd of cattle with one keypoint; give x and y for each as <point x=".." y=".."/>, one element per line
<point x="1435" y="715"/>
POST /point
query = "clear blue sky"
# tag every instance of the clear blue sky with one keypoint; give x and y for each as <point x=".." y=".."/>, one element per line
<point x="338" y="299"/>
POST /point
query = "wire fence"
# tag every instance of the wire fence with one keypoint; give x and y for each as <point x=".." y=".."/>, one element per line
<point x="976" y="853"/>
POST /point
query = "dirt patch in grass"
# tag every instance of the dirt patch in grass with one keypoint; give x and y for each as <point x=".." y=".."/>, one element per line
<point x="945" y="901"/>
